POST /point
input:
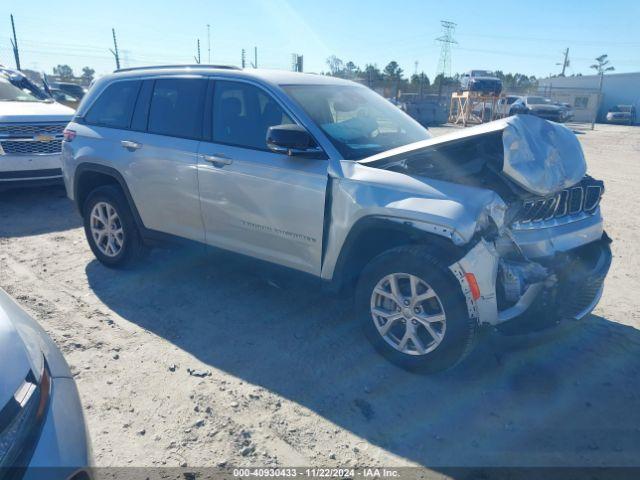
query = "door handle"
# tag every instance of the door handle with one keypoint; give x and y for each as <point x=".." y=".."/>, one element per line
<point x="218" y="159"/>
<point x="129" y="145"/>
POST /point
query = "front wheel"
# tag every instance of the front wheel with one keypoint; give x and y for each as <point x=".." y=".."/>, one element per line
<point x="413" y="310"/>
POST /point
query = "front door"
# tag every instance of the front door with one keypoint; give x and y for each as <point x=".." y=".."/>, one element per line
<point x="254" y="201"/>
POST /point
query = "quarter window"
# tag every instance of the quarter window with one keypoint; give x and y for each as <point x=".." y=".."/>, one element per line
<point x="242" y="114"/>
<point x="114" y="106"/>
<point x="177" y="106"/>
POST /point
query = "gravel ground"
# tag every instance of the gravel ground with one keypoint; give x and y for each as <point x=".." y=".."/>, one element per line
<point x="203" y="358"/>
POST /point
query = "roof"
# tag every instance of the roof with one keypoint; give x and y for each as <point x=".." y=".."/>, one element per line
<point x="275" y="77"/>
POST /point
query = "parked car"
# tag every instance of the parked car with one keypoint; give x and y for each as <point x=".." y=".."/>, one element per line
<point x="503" y="106"/>
<point x="538" y="106"/>
<point x="41" y="419"/>
<point x="64" y="98"/>
<point x="567" y="113"/>
<point x="481" y="81"/>
<point x="73" y="89"/>
<point x="436" y="237"/>
<point x="31" y="125"/>
<point x="622" y="114"/>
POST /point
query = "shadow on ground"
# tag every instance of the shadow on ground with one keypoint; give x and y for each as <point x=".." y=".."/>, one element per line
<point x="55" y="211"/>
<point x="573" y="400"/>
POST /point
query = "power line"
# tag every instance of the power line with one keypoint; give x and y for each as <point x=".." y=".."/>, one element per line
<point x="208" y="44"/>
<point x="14" y="44"/>
<point x="197" y="57"/>
<point x="565" y="62"/>
<point x="115" y="49"/>
<point x="446" y="40"/>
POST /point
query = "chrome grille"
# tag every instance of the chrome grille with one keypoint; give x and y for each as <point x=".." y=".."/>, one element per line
<point x="582" y="198"/>
<point x="31" y="148"/>
<point x="22" y="130"/>
<point x="31" y="139"/>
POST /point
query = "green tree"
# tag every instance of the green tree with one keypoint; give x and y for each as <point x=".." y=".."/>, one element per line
<point x="63" y="71"/>
<point x="602" y="66"/>
<point x="393" y="70"/>
<point x="87" y="75"/>
<point x="336" y="66"/>
<point x="351" y="69"/>
<point x="372" y="75"/>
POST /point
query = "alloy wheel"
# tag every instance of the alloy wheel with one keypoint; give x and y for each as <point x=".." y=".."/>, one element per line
<point x="408" y="314"/>
<point x="106" y="229"/>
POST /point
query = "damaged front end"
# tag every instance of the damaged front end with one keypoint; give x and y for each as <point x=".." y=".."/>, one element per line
<point x="539" y="253"/>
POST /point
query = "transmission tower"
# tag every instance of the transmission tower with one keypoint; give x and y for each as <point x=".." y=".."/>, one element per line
<point x="446" y="40"/>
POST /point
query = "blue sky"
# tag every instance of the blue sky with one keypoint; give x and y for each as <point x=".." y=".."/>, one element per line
<point x="526" y="37"/>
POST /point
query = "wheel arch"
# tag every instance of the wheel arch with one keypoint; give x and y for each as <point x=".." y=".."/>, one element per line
<point x="90" y="176"/>
<point x="371" y="236"/>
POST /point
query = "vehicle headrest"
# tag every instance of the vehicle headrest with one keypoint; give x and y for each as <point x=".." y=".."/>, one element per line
<point x="231" y="107"/>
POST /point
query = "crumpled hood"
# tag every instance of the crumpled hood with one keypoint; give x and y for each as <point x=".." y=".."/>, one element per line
<point x="540" y="156"/>
<point x="34" y="112"/>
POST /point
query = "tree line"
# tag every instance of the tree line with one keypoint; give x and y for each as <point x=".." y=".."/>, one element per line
<point x="65" y="74"/>
<point x="392" y="80"/>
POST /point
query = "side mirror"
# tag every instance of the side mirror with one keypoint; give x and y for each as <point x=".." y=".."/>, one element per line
<point x="291" y="139"/>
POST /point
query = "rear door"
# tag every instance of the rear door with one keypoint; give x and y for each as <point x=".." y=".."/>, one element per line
<point x="161" y="150"/>
<point x="254" y="201"/>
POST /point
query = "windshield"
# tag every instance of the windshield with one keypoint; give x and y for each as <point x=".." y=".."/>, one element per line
<point x="481" y="73"/>
<point x="19" y="89"/>
<point x="537" y="100"/>
<point x="358" y="121"/>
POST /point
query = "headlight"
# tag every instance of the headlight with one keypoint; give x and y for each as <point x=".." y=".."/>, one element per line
<point x="21" y="417"/>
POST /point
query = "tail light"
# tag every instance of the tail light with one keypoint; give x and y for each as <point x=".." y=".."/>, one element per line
<point x="68" y="135"/>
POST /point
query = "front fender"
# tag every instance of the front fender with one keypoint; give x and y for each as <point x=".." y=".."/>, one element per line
<point x="449" y="210"/>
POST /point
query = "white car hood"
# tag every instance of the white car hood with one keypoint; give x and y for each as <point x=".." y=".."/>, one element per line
<point x="540" y="156"/>
<point x="11" y="112"/>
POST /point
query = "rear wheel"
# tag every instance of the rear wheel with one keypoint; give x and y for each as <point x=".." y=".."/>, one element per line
<point x="413" y="311"/>
<point x="110" y="228"/>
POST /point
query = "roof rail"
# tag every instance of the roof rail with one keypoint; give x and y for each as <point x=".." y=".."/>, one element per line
<point x="160" y="67"/>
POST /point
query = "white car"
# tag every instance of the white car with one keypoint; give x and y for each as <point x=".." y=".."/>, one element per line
<point x="31" y="126"/>
<point x="42" y="427"/>
<point x="503" y="107"/>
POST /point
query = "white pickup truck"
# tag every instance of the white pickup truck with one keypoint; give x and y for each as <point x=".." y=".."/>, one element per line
<point x="31" y="126"/>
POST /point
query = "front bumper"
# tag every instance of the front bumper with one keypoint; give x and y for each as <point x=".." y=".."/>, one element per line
<point x="30" y="170"/>
<point x="553" y="116"/>
<point x="565" y="285"/>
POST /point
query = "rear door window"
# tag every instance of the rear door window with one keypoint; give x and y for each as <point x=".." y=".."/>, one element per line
<point x="114" y="106"/>
<point x="177" y="107"/>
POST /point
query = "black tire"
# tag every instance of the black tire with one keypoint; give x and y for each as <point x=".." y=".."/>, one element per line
<point x="420" y="261"/>
<point x="133" y="248"/>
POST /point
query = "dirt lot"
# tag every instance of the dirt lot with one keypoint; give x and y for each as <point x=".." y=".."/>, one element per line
<point x="288" y="379"/>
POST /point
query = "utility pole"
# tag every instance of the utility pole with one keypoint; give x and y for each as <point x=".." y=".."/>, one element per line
<point x="14" y="44"/>
<point x="446" y="40"/>
<point x="208" y="44"/>
<point x="197" y="58"/>
<point x="244" y="58"/>
<point x="565" y="62"/>
<point x="601" y="67"/>
<point x="115" y="49"/>
<point x="255" y="57"/>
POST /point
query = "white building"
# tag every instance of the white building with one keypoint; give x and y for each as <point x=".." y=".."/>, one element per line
<point x="582" y="92"/>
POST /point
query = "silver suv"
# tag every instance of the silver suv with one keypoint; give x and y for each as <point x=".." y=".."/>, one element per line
<point x="496" y="225"/>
